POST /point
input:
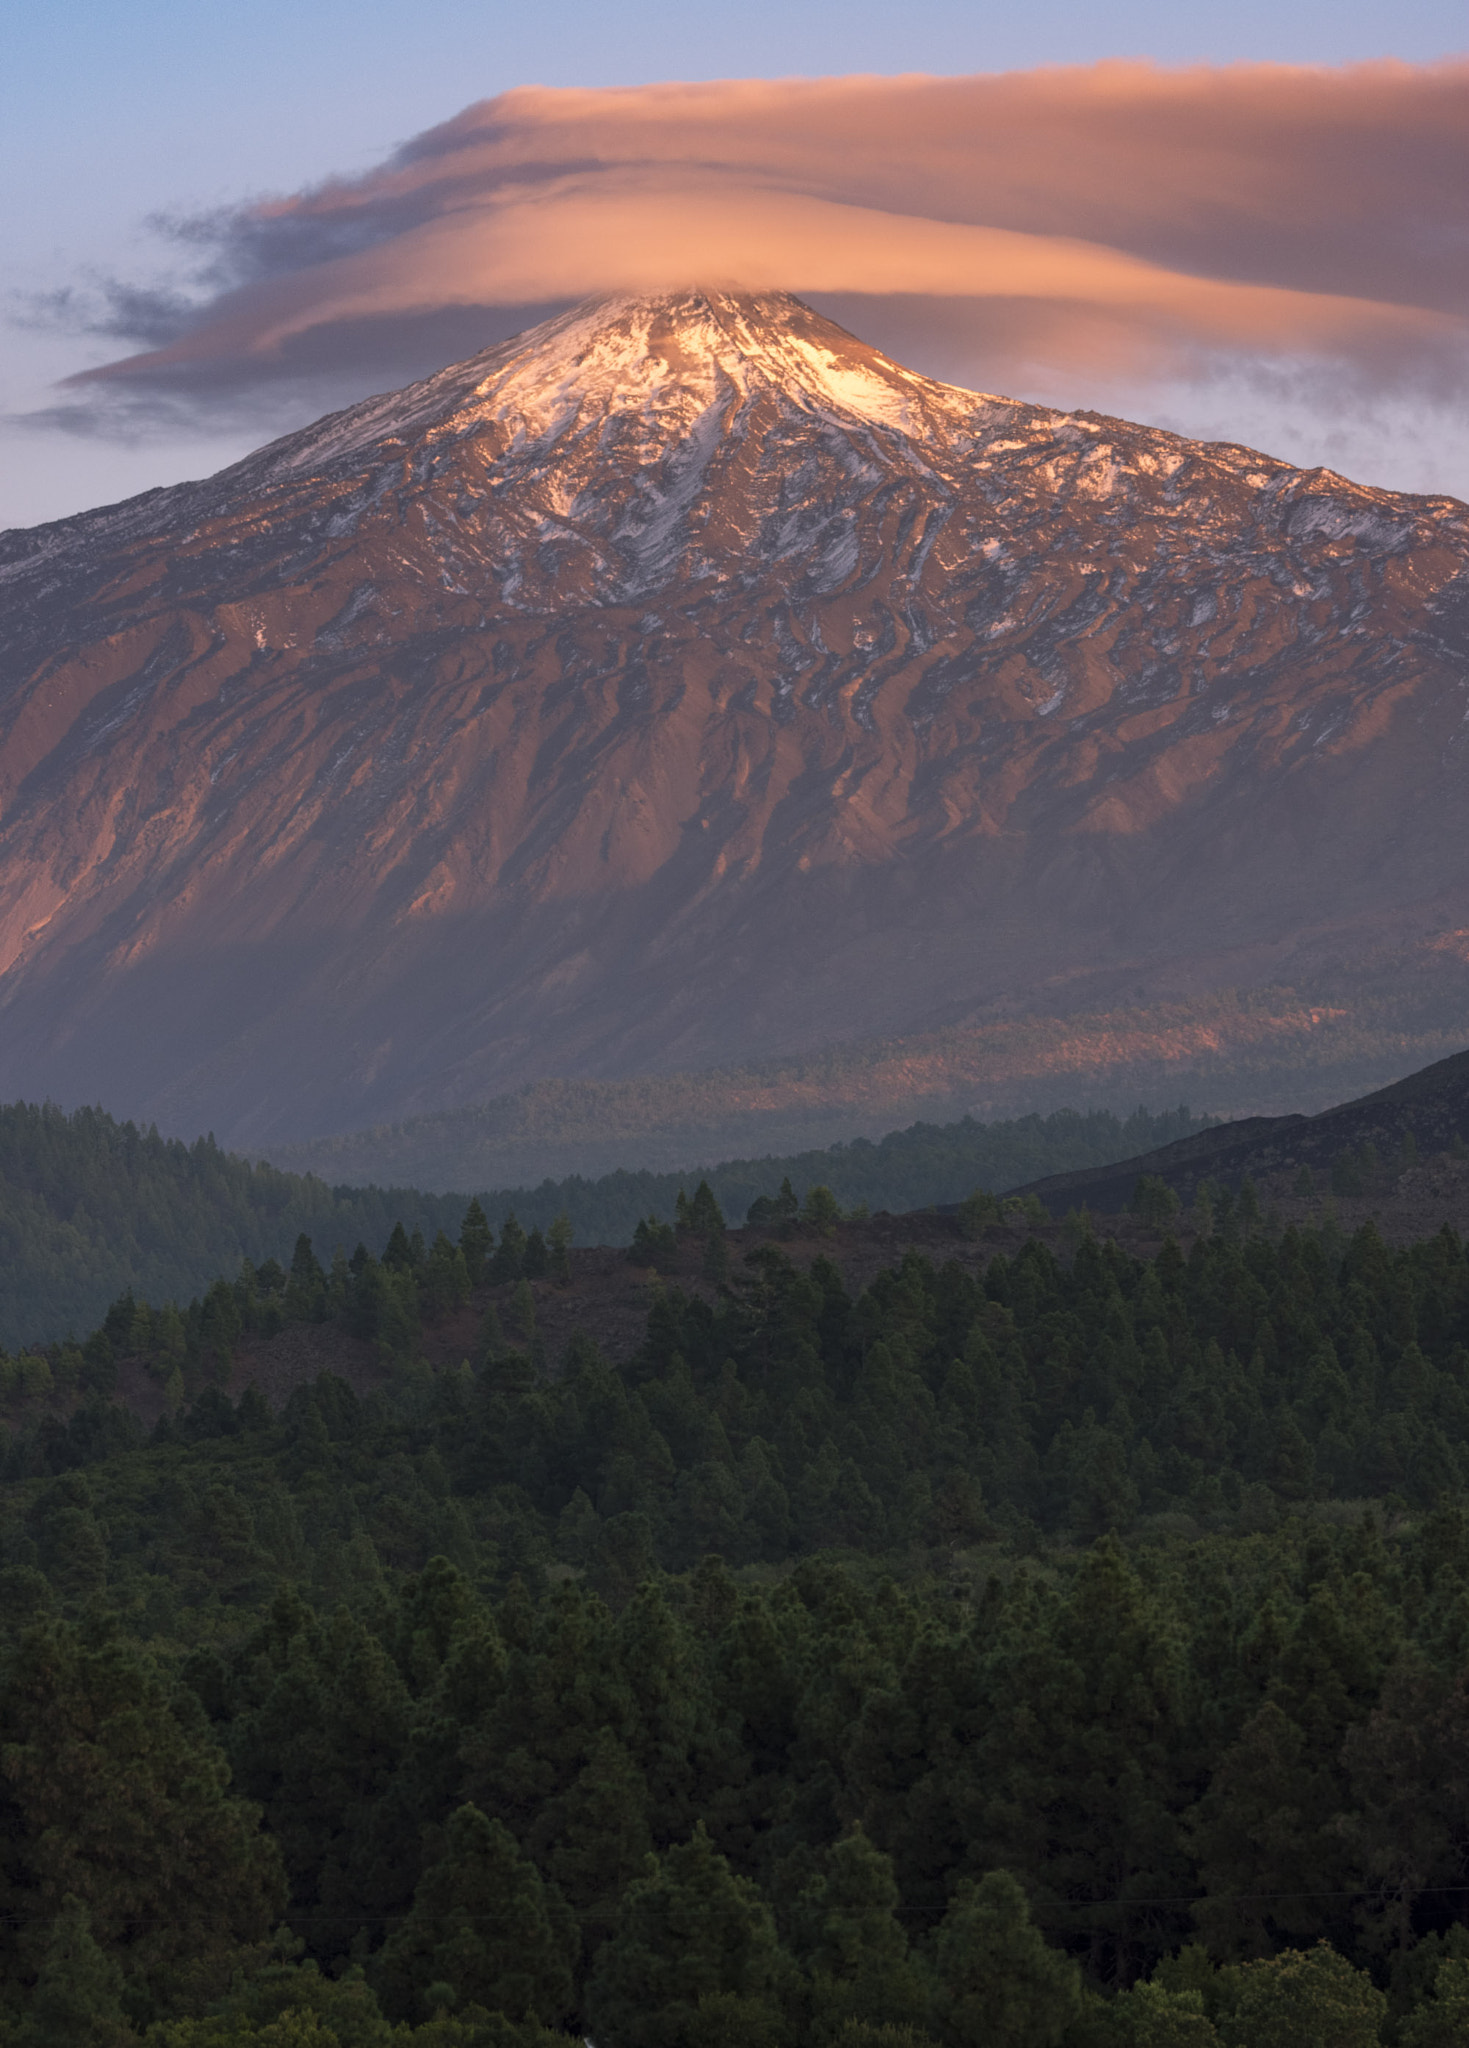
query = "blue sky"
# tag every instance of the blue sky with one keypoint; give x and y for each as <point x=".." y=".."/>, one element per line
<point x="111" y="114"/>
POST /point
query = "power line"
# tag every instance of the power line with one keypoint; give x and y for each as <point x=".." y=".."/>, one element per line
<point x="456" y="1913"/>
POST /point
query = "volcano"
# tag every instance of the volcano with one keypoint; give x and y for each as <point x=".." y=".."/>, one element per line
<point x="684" y="682"/>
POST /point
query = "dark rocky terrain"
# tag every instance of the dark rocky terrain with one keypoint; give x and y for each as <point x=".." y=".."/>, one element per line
<point x="1372" y="1149"/>
<point x="684" y="683"/>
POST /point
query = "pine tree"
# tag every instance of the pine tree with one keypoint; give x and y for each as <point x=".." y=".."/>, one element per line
<point x="77" y="1999"/>
<point x="1153" y="2016"/>
<point x="322" y="1743"/>
<point x="484" y="1923"/>
<point x="285" y="2004"/>
<point x="1442" y="2021"/>
<point x="120" y="1798"/>
<point x="714" y="1267"/>
<point x="306" y="1288"/>
<point x="1077" y="1762"/>
<point x="508" y="1262"/>
<point x="593" y="1839"/>
<point x="489" y="1339"/>
<point x="676" y="1739"/>
<point x="523" y="1308"/>
<point x="1409" y="1811"/>
<point x="559" y="1238"/>
<point x="997" y="1980"/>
<point x="622" y="1558"/>
<point x="398" y="1252"/>
<point x="654" y="1244"/>
<point x="476" y="1241"/>
<point x="576" y="1529"/>
<point x="443" y="1279"/>
<point x="854" y="1944"/>
<point x="780" y="1210"/>
<point x="688" y="1931"/>
<point x="564" y="1688"/>
<point x="1296" y="2000"/>
<point x="705" y="1214"/>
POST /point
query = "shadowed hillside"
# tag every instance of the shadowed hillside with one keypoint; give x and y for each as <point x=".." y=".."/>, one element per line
<point x="1350" y="1149"/>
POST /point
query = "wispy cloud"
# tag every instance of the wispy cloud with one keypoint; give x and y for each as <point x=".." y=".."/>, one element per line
<point x="1119" y="222"/>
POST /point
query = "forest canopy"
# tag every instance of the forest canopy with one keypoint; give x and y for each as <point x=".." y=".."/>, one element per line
<point x="1067" y="1653"/>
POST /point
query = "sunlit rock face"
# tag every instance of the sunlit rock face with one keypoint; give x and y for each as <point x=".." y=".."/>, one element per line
<point x="684" y="681"/>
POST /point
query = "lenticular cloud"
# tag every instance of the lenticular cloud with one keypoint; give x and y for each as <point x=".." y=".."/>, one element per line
<point x="1117" y="222"/>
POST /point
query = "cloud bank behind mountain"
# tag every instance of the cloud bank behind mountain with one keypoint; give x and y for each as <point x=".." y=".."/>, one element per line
<point x="1278" y="243"/>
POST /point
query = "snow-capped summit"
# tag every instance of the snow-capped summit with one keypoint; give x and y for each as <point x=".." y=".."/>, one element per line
<point x="685" y="681"/>
<point x="671" y="362"/>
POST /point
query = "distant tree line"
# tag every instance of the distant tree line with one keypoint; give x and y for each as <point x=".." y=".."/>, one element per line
<point x="916" y="1168"/>
<point x="90" y="1207"/>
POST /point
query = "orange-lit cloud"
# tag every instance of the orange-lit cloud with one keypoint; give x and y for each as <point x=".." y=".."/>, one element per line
<point x="1121" y="217"/>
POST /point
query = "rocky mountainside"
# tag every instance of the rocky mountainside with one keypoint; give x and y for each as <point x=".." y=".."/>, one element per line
<point x="684" y="682"/>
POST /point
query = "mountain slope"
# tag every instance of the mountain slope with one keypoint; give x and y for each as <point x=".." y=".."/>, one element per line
<point x="1427" y="1112"/>
<point x="684" y="682"/>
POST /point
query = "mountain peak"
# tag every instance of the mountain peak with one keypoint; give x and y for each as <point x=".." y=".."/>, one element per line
<point x="704" y="340"/>
<point x="667" y="358"/>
